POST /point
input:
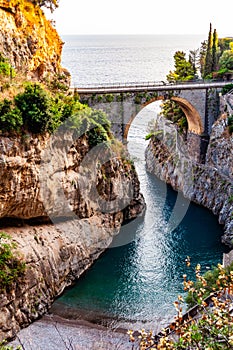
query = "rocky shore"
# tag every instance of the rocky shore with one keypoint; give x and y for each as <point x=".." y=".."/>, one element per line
<point x="53" y="332"/>
<point x="209" y="184"/>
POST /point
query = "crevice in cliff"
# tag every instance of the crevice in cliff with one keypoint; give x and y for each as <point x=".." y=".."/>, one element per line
<point x="18" y="222"/>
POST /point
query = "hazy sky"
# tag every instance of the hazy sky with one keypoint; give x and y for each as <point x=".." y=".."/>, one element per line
<point x="143" y="17"/>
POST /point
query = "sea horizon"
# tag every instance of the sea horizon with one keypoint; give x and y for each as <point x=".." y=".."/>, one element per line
<point x="110" y="58"/>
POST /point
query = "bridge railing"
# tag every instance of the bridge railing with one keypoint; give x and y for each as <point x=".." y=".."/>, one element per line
<point x="147" y="84"/>
<point x="120" y="84"/>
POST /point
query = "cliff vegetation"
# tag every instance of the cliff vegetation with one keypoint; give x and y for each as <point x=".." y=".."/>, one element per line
<point x="213" y="60"/>
<point x="29" y="41"/>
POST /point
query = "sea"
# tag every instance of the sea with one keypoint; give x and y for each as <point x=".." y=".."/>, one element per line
<point x="101" y="59"/>
<point x="134" y="285"/>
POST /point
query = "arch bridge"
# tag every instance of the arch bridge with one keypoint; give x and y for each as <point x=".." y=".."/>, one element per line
<point x="199" y="101"/>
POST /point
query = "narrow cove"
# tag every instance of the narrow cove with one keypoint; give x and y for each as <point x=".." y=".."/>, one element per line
<point x="136" y="281"/>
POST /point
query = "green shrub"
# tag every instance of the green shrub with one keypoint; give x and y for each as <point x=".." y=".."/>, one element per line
<point x="5" y="67"/>
<point x="34" y="106"/>
<point x="109" y="98"/>
<point x="12" y="121"/>
<point x="230" y="124"/>
<point x="58" y="83"/>
<point x="10" y="118"/>
<point x="148" y="136"/>
<point x="137" y="100"/>
<point x="5" y="106"/>
<point x="36" y="111"/>
<point x="97" y="135"/>
<point x="182" y="124"/>
<point x="227" y="88"/>
<point x="11" y="265"/>
<point x="99" y="98"/>
<point x="156" y="134"/>
<point x="40" y="111"/>
<point x="230" y="129"/>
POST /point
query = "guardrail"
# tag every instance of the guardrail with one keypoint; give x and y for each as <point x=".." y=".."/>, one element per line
<point x="148" y="84"/>
<point x="120" y="84"/>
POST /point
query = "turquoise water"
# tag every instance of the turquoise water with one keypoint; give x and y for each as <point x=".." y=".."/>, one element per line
<point x="137" y="282"/>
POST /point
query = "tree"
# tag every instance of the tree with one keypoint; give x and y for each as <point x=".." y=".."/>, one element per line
<point x="202" y="55"/>
<point x="214" y="51"/>
<point x="224" y="44"/>
<point x="183" y="69"/>
<point x="193" y="59"/>
<point x="226" y="60"/>
<point x="208" y="57"/>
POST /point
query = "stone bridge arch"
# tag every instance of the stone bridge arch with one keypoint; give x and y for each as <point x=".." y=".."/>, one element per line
<point x="200" y="105"/>
<point x="195" y="124"/>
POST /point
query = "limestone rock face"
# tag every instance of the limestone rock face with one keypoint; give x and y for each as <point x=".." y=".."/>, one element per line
<point x="208" y="184"/>
<point x="55" y="255"/>
<point x="220" y="151"/>
<point x="45" y="178"/>
<point x="29" y="40"/>
<point x="62" y="202"/>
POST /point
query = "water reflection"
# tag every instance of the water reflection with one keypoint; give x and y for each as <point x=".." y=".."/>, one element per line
<point x="138" y="282"/>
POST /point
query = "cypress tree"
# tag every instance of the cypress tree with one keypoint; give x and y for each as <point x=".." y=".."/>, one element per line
<point x="208" y="57"/>
<point x="214" y="51"/>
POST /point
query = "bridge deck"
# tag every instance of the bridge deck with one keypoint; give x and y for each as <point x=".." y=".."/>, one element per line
<point x="148" y="86"/>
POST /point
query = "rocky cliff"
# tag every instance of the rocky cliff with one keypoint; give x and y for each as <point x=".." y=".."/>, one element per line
<point x="29" y="40"/>
<point x="62" y="202"/>
<point x="62" y="199"/>
<point x="209" y="184"/>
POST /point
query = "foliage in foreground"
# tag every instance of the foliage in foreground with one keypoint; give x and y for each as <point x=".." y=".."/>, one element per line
<point x="12" y="265"/>
<point x="210" y="329"/>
